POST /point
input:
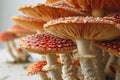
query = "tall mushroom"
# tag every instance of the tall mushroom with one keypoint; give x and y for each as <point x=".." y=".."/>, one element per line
<point x="37" y="68"/>
<point x="83" y="30"/>
<point x="7" y="37"/>
<point x="48" y="12"/>
<point x="49" y="45"/>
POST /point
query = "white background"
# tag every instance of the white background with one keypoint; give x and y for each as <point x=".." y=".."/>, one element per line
<point x="8" y="8"/>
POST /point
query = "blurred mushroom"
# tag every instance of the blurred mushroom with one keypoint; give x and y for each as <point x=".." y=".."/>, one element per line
<point x="49" y="45"/>
<point x="97" y="7"/>
<point x="37" y="68"/>
<point x="20" y="31"/>
<point x="7" y="37"/>
<point x="29" y="23"/>
<point x="83" y="30"/>
<point x="48" y="12"/>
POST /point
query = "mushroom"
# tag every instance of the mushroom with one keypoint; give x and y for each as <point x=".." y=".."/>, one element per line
<point x="110" y="47"/>
<point x="83" y="30"/>
<point x="20" y="31"/>
<point x="49" y="44"/>
<point x="29" y="23"/>
<point x="51" y="1"/>
<point x="48" y="12"/>
<point x="37" y="68"/>
<point x="7" y="37"/>
<point x="97" y="7"/>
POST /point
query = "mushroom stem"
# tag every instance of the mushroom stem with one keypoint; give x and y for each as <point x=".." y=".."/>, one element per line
<point x="97" y="12"/>
<point x="105" y="58"/>
<point x="53" y="67"/>
<point x="43" y="76"/>
<point x="117" y="76"/>
<point x="68" y="70"/>
<point x="99" y="61"/>
<point x="86" y="61"/>
<point x="108" y="72"/>
<point x="10" y="50"/>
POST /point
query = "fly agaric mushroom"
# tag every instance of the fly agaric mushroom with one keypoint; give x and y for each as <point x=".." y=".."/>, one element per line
<point x="110" y="47"/>
<point x="29" y="23"/>
<point x="49" y="44"/>
<point x="83" y="30"/>
<point x="8" y="37"/>
<point x="48" y="12"/>
<point x="97" y="7"/>
<point x="37" y="68"/>
<point x="20" y="31"/>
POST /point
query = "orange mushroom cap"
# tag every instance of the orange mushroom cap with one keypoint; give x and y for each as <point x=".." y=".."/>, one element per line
<point x="110" y="46"/>
<point x="7" y="36"/>
<point x="46" y="43"/>
<point x="48" y="12"/>
<point x="83" y="28"/>
<point x="36" y="68"/>
<point x="29" y="23"/>
<point x="20" y="31"/>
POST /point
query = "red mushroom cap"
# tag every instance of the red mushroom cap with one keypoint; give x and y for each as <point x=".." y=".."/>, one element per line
<point x="36" y="67"/>
<point x="18" y="30"/>
<point x="83" y="28"/>
<point x="48" y="12"/>
<point x="110" y="46"/>
<point x="46" y="43"/>
<point x="29" y="23"/>
<point x="7" y="36"/>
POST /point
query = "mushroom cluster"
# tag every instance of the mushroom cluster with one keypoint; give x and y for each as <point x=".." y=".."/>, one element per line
<point x="91" y="27"/>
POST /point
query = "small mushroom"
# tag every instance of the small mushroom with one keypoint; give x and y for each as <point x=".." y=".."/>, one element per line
<point x="83" y="30"/>
<point x="48" y="12"/>
<point x="20" y="31"/>
<point x="49" y="44"/>
<point x="37" y="68"/>
<point x="7" y="37"/>
<point x="29" y="23"/>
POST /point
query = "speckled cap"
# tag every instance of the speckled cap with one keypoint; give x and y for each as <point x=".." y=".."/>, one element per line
<point x="46" y="43"/>
<point x="110" y="46"/>
<point x="29" y="23"/>
<point x="83" y="28"/>
<point x="49" y="12"/>
<point x="35" y="68"/>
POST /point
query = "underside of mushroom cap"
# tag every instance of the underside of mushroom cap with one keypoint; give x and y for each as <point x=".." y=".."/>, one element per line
<point x="87" y="4"/>
<point x="46" y="43"/>
<point x="7" y="36"/>
<point x="29" y="23"/>
<point x="36" y="68"/>
<point x="20" y="31"/>
<point x="83" y="28"/>
<point x="48" y="12"/>
<point x="112" y="47"/>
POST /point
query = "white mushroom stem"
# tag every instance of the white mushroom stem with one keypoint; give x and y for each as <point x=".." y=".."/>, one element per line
<point x="10" y="50"/>
<point x="99" y="61"/>
<point x="87" y="66"/>
<point x="53" y="67"/>
<point x="105" y="58"/>
<point x="117" y="76"/>
<point x="111" y="60"/>
<point x="68" y="70"/>
<point x="43" y="76"/>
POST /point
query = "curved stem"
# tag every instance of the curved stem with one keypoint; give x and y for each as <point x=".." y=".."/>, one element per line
<point x="9" y="49"/>
<point x="43" y="76"/>
<point x="68" y="70"/>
